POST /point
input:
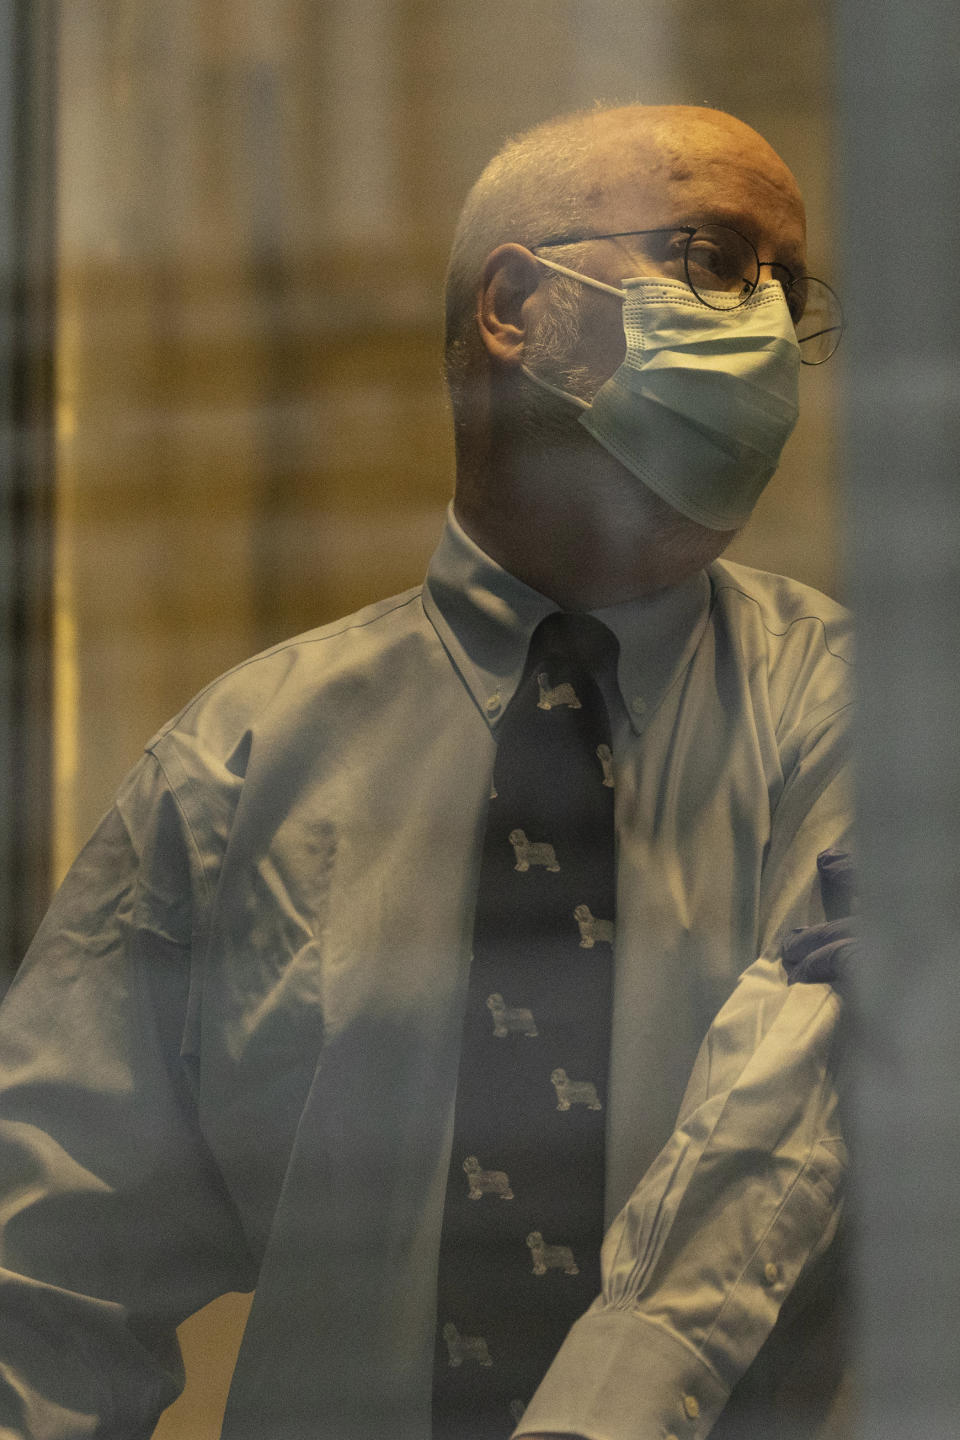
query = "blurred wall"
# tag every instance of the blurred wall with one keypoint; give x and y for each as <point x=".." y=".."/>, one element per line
<point x="255" y="200"/>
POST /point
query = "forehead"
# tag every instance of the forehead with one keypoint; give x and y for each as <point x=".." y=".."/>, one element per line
<point x="696" y="168"/>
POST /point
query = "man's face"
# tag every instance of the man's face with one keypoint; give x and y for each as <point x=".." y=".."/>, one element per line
<point x="695" y="167"/>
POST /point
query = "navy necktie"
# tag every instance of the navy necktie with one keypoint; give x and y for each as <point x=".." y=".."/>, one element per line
<point x="524" y="1209"/>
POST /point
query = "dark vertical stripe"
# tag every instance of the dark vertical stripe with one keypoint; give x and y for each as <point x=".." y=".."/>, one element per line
<point x="28" y="105"/>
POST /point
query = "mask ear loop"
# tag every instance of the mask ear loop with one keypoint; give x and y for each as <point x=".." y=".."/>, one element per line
<point x="554" y="389"/>
<point x="584" y="279"/>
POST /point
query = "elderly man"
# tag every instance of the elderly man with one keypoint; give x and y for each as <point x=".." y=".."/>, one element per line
<point x="381" y="984"/>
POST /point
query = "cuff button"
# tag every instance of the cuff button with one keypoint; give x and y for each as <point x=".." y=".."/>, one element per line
<point x="771" y="1273"/>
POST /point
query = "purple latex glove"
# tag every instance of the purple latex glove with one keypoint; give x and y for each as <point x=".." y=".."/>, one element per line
<point x="820" y="953"/>
<point x="823" y="953"/>
<point x="837" y="882"/>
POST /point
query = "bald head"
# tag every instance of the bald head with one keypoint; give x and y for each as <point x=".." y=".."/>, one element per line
<point x="669" y="142"/>
<point x="618" y="168"/>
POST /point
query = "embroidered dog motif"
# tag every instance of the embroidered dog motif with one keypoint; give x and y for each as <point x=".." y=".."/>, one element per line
<point x="486" y="1182"/>
<point x="465" y="1347"/>
<point x="593" y="929"/>
<point x="551" y="1257"/>
<point x="532" y="852"/>
<point x="574" y="1092"/>
<point x="551" y="695"/>
<point x="507" y="1018"/>
<point x="605" y="756"/>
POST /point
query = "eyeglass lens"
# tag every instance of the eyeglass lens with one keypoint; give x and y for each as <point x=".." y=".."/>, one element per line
<point x="722" y="269"/>
<point x="819" y="322"/>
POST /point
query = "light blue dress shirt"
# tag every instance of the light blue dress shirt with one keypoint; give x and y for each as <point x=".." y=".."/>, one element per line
<point x="229" y="1059"/>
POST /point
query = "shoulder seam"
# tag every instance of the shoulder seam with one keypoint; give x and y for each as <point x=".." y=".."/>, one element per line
<point x="819" y="620"/>
<point x="279" y="648"/>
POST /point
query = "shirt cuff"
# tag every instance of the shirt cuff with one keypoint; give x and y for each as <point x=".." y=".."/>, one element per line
<point x="619" y="1376"/>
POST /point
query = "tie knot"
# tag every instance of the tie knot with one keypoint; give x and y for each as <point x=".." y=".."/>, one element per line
<point x="578" y="638"/>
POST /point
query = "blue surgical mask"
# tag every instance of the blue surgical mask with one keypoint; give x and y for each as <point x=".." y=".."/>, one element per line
<point x="704" y="401"/>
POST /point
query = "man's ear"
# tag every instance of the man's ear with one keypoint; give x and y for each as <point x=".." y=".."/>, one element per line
<point x="511" y="275"/>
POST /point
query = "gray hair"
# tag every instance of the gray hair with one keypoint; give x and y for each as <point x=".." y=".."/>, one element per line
<point x="536" y="187"/>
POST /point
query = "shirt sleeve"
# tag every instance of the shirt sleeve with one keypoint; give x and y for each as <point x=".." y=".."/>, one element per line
<point x="698" y="1263"/>
<point x="114" y="1221"/>
<point x="747" y="1191"/>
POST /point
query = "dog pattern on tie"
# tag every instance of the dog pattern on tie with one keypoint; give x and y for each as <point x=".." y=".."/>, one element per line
<point x="605" y="756"/>
<point x="509" y="1019"/>
<point x="532" y="852"/>
<point x="486" y="1182"/>
<point x="593" y="929"/>
<point x="550" y="1257"/>
<point x="465" y="1347"/>
<point x="553" y="695"/>
<point x="574" y="1092"/>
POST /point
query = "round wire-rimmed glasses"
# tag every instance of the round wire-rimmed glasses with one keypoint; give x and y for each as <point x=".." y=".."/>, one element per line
<point x="722" y="268"/>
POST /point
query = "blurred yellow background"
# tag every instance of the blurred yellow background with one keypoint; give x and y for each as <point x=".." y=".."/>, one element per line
<point x="254" y="204"/>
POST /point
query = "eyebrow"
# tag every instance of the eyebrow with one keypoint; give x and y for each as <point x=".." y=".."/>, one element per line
<point x="733" y="219"/>
<point x="740" y="220"/>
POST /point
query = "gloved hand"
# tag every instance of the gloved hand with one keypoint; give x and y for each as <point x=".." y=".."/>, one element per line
<point x="825" y="952"/>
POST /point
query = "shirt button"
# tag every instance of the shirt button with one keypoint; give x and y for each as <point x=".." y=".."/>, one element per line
<point x="638" y="705"/>
<point x="492" y="703"/>
<point x="690" y="1407"/>
<point x="771" y="1273"/>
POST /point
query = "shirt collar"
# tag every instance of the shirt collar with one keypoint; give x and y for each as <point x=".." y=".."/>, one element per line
<point x="484" y="616"/>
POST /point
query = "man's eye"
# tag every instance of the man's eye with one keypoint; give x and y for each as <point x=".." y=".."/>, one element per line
<point x="663" y="246"/>
<point x="709" y="259"/>
<point x="666" y="251"/>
